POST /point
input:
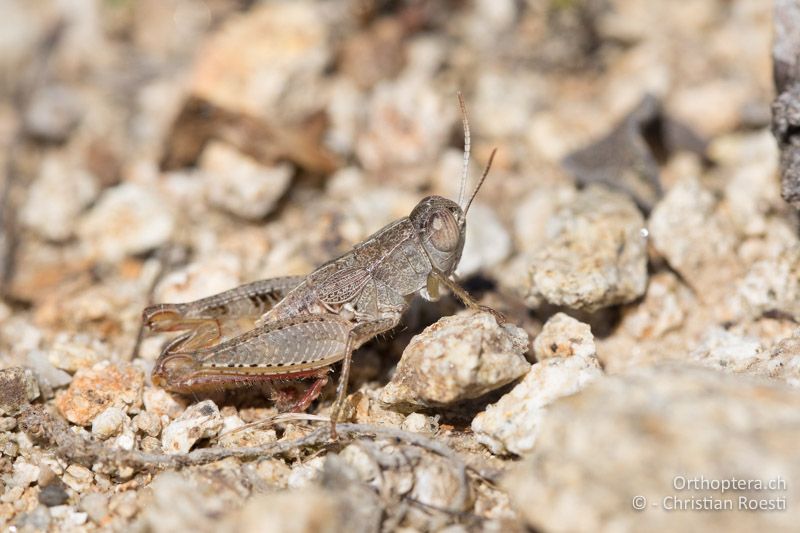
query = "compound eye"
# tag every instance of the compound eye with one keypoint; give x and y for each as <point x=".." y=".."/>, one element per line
<point x="444" y="232"/>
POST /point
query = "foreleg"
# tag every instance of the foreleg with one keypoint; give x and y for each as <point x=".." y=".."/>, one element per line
<point x="466" y="299"/>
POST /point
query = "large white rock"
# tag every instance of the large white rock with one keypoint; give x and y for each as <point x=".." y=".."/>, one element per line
<point x="512" y="425"/>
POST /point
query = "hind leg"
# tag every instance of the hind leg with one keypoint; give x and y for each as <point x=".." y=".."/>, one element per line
<point x="288" y="401"/>
<point x="214" y="319"/>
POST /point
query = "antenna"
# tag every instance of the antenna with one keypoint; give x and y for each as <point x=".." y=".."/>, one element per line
<point x="467" y="146"/>
<point x="485" y="173"/>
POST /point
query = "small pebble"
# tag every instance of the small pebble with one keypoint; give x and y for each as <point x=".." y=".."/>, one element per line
<point x="305" y="474"/>
<point x="563" y="336"/>
<point x="95" y="389"/>
<point x="127" y="219"/>
<point x="125" y="441"/>
<point x="46" y="475"/>
<point x="108" y="423"/>
<point x="419" y="423"/>
<point x="78" y="478"/>
<point x="150" y="445"/>
<point x="239" y="184"/>
<point x="408" y="124"/>
<point x="68" y="516"/>
<point x="664" y="308"/>
<point x="24" y="473"/>
<point x="7" y="423"/>
<point x="8" y="447"/>
<point x="94" y="504"/>
<point x="178" y="502"/>
<point x="306" y="511"/>
<point x="12" y="494"/>
<point x="161" y="403"/>
<point x="45" y="372"/>
<point x="53" y="494"/>
<point x="273" y="471"/>
<point x="436" y="484"/>
<point x="723" y="349"/>
<point x="38" y="519"/>
<point x="199" y="279"/>
<point x="66" y="189"/>
<point x="124" y="504"/>
<point x="199" y="421"/>
<point x="688" y="214"/>
<point x="773" y="285"/>
<point x="487" y="243"/>
<point x="73" y="352"/>
<point x="53" y="112"/>
<point x="18" y="387"/>
<point x="148" y="423"/>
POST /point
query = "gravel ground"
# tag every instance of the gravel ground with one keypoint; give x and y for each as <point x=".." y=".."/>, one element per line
<point x="631" y="232"/>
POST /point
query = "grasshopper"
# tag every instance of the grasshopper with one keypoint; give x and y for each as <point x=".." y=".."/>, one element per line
<point x="297" y="327"/>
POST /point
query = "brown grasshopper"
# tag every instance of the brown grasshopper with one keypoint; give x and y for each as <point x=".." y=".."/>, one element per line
<point x="297" y="327"/>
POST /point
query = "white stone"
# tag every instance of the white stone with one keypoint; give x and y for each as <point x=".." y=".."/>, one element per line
<point x="70" y="516"/>
<point x="24" y="473"/>
<point x="724" y="349"/>
<point x="199" y="279"/>
<point x="57" y="197"/>
<point x="108" y="423"/>
<point x="563" y="336"/>
<point x="512" y="424"/>
<point x="533" y="213"/>
<point x="148" y="423"/>
<point x="305" y="474"/>
<point x="664" y="308"/>
<point x="504" y="100"/>
<point x="199" y="421"/>
<point x="239" y="184"/>
<point x="127" y="219"/>
<point x="125" y="441"/>
<point x="311" y="510"/>
<point x="95" y="505"/>
<point x="772" y="285"/>
<point x="161" y="403"/>
<point x="407" y="125"/>
<point x="76" y="351"/>
<point x="596" y="256"/>
<point x="419" y="423"/>
<point x="458" y="358"/>
<point x="689" y="214"/>
<point x="437" y="485"/>
<point x="78" y="478"/>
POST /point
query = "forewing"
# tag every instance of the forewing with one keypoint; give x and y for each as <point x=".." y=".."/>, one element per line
<point x="343" y="285"/>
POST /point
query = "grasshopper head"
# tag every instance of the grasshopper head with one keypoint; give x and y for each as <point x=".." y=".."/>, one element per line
<point x="441" y="225"/>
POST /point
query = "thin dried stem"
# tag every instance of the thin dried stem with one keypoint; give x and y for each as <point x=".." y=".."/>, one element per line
<point x="270" y="421"/>
<point x="42" y="426"/>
